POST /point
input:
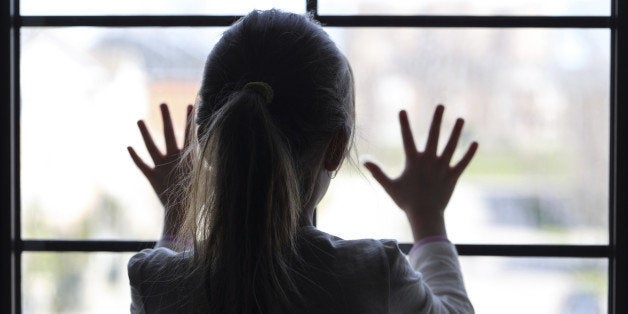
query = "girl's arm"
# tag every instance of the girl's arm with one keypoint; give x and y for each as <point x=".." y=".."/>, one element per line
<point x="163" y="177"/>
<point x="423" y="190"/>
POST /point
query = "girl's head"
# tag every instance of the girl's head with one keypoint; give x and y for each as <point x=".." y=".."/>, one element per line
<point x="264" y="164"/>
<point x="310" y="78"/>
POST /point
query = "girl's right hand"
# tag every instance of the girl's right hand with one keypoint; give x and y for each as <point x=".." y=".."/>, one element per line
<point x="162" y="175"/>
<point x="426" y="184"/>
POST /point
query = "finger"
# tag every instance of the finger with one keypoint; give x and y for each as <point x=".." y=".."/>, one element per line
<point x="466" y="159"/>
<point x="379" y="175"/>
<point x="188" y="126"/>
<point x="406" y="134"/>
<point x="171" y="140"/>
<point x="432" y="138"/>
<point x="146" y="169"/>
<point x="154" y="152"/>
<point x="450" y="148"/>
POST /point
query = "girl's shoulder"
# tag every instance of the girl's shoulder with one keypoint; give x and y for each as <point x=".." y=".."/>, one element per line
<point x="162" y="277"/>
<point x="366" y="252"/>
<point x="157" y="258"/>
<point x="158" y="263"/>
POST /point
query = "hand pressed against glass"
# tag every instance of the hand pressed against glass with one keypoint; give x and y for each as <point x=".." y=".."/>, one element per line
<point x="162" y="176"/>
<point x="426" y="184"/>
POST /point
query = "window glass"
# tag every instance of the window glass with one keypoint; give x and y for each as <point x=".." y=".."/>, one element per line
<point x="535" y="99"/>
<point x="154" y="7"/>
<point x="98" y="283"/>
<point x="536" y="285"/>
<point x="464" y="7"/>
<point x="83" y="89"/>
<point x="75" y="283"/>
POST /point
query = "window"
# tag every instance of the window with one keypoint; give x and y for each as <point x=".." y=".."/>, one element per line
<point x="539" y="85"/>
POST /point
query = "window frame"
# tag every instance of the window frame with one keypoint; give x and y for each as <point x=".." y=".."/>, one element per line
<point x="12" y="245"/>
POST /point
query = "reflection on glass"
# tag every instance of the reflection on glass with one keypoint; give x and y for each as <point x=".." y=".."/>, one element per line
<point x="464" y="7"/>
<point x="155" y="7"/>
<point x="536" y="101"/>
<point x="75" y="283"/>
<point x="536" y="285"/>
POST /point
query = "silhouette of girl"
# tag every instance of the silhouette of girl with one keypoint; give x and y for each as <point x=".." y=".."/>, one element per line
<point x="274" y="120"/>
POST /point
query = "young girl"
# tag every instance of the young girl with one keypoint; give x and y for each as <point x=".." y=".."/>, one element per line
<point x="274" y="121"/>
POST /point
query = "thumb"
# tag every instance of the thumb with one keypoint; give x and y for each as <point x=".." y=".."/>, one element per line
<point x="379" y="175"/>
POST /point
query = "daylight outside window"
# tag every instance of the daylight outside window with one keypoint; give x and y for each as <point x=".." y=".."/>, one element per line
<point x="537" y="100"/>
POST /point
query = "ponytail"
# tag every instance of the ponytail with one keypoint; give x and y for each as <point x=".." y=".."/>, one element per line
<point x="243" y="208"/>
<point x="259" y="155"/>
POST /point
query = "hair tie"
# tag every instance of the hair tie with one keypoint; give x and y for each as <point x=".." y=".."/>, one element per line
<point x="261" y="88"/>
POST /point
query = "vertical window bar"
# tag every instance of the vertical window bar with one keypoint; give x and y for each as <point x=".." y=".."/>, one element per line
<point x="14" y="151"/>
<point x="612" y="177"/>
<point x="618" y="292"/>
<point x="311" y="7"/>
<point x="6" y="260"/>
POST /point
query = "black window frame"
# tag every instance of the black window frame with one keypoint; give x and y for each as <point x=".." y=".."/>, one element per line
<point x="12" y="245"/>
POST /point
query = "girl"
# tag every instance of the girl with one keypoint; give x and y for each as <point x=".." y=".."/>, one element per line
<point x="274" y="122"/>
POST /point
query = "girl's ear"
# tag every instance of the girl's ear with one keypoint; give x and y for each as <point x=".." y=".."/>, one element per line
<point x="336" y="150"/>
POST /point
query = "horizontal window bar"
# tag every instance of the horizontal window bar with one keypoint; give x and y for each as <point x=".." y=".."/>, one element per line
<point x="85" y="246"/>
<point x="536" y="250"/>
<point x="327" y="20"/>
<point x="463" y="249"/>
<point x="126" y="21"/>
<point x="468" y="21"/>
<point x="527" y="250"/>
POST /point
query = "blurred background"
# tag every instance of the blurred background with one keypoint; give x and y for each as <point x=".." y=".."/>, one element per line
<point x="537" y="101"/>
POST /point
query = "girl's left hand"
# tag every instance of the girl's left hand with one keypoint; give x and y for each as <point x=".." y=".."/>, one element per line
<point x="162" y="176"/>
<point x="426" y="184"/>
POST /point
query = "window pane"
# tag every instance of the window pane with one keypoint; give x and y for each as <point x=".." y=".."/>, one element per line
<point x="535" y="99"/>
<point x="465" y="7"/>
<point x="83" y="89"/>
<point x="154" y="7"/>
<point x="98" y="283"/>
<point x="75" y="283"/>
<point x="536" y="285"/>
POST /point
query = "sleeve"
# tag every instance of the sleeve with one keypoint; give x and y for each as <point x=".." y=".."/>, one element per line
<point x="431" y="283"/>
<point x="141" y="267"/>
<point x="134" y="268"/>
